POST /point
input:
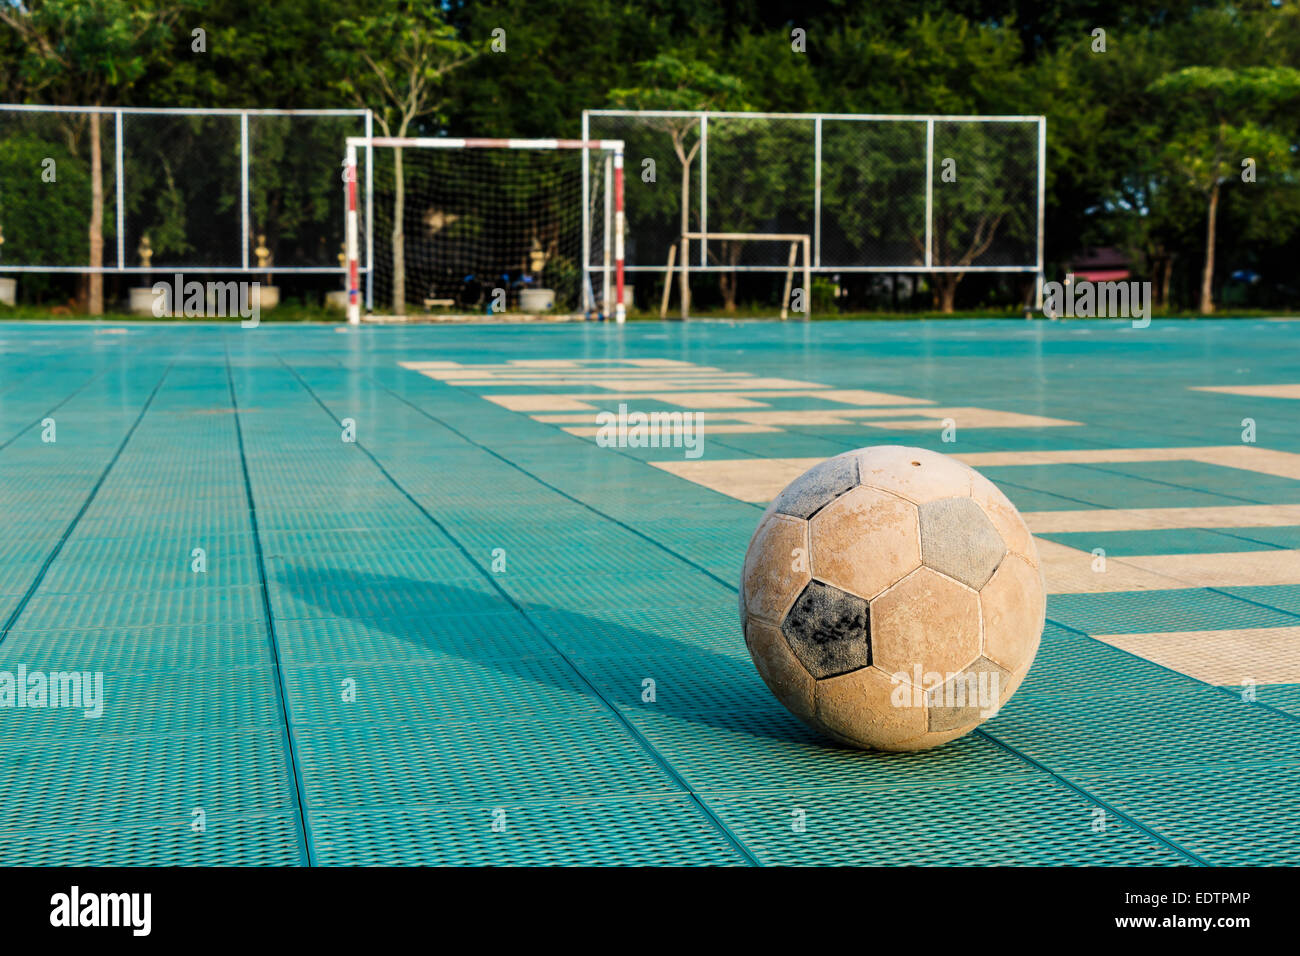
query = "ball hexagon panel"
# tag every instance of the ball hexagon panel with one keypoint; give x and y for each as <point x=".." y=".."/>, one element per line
<point x="817" y="487"/>
<point x="926" y="620"/>
<point x="913" y="473"/>
<point x="864" y="541"/>
<point x="959" y="540"/>
<point x="774" y="574"/>
<point x="1004" y="516"/>
<point x="828" y="630"/>
<point x="788" y="679"/>
<point x="1013" y="607"/>
<point x="965" y="699"/>
<point x="858" y="708"/>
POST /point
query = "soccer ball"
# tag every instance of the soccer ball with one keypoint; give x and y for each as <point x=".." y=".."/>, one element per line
<point x="892" y="598"/>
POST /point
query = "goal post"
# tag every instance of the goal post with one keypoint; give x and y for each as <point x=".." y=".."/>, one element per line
<point x="480" y="225"/>
<point x="798" y="243"/>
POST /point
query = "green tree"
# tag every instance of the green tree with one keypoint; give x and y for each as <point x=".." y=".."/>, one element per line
<point x="1222" y="121"/>
<point x="87" y="52"/>
<point x="406" y="52"/>
<point x="681" y="85"/>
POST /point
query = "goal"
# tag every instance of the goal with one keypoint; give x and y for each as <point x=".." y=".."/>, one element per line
<point x="473" y="227"/>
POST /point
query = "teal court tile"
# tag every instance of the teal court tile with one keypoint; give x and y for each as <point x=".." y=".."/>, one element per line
<point x="1282" y="696"/>
<point x="189" y="647"/>
<point x="668" y="831"/>
<point x="1214" y="479"/>
<point x="1226" y="816"/>
<point x="177" y="606"/>
<point x="133" y="781"/>
<point x="1102" y="489"/>
<point x="228" y="839"/>
<point x="113" y="703"/>
<point x="677" y="680"/>
<point x="681" y="588"/>
<point x="768" y="748"/>
<point x="486" y="761"/>
<point x="446" y="690"/>
<point x="1186" y="609"/>
<point x="1284" y="598"/>
<point x="1165" y="731"/>
<point x="616" y="632"/>
<point x="1028" y="820"/>
<point x="1072" y="665"/>
<point x="312" y="593"/>
<point x="1175" y="541"/>
<point x="436" y="637"/>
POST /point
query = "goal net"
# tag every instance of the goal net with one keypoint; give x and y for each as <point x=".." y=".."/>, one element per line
<point x="474" y="227"/>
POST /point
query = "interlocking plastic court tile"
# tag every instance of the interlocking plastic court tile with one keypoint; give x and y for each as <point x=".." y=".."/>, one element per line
<point x="144" y="609"/>
<point x="618" y="632"/>
<point x="449" y="690"/>
<point x="1170" y="541"/>
<point x="1028" y="820"/>
<point x="117" y="704"/>
<point x="667" y="831"/>
<point x="436" y="637"/>
<point x="1161" y="731"/>
<point x="771" y="749"/>
<point x="141" y="780"/>
<point x="1146" y="612"/>
<point x="227" y="840"/>
<point x="124" y="650"/>
<point x="1228" y="817"/>
<point x="437" y="764"/>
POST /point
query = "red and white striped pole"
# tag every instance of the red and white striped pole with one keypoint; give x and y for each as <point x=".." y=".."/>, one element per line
<point x="353" y="239"/>
<point x="620" y="313"/>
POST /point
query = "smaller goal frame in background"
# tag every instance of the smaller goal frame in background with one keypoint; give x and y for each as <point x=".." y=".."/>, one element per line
<point x="611" y="270"/>
<point x="798" y="241"/>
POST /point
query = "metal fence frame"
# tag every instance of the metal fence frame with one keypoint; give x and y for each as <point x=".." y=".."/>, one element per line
<point x="817" y="119"/>
<point x="118" y="112"/>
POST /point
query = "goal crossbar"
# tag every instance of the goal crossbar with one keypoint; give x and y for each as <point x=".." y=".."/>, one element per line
<point x="613" y="236"/>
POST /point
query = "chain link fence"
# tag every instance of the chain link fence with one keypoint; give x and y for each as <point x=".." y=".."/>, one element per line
<point x="886" y="194"/>
<point x="206" y="188"/>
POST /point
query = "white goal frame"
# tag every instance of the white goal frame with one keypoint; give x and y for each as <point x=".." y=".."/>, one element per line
<point x="611" y="270"/>
<point x="817" y="122"/>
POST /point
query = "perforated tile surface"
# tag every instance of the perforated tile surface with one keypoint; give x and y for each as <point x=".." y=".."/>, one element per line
<point x="471" y="637"/>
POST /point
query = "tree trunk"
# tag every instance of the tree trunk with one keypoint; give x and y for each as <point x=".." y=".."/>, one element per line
<point x="1166" y="279"/>
<point x="1207" y="274"/>
<point x="399" y="235"/>
<point x="729" y="280"/>
<point x="945" y="290"/>
<point x="95" y="283"/>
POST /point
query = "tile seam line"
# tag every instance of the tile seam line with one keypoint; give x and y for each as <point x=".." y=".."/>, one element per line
<point x="75" y="392"/>
<point x="289" y="744"/>
<point x="731" y="838"/>
<point x="85" y="506"/>
<point x="546" y="484"/>
<point x="1097" y="801"/>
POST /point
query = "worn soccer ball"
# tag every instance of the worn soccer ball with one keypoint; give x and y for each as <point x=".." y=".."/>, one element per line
<point x="892" y="598"/>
